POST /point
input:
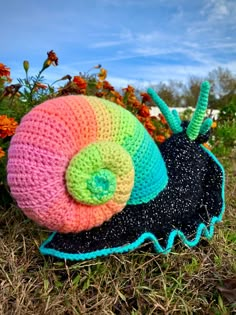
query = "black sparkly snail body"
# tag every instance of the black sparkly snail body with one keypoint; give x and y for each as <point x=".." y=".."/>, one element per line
<point x="88" y="170"/>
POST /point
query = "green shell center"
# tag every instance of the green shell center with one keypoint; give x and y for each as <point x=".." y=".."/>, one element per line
<point x="102" y="184"/>
<point x="91" y="176"/>
<point x="90" y="187"/>
<point x="100" y="172"/>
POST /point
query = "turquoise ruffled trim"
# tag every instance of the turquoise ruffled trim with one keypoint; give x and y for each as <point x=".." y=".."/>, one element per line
<point x="202" y="230"/>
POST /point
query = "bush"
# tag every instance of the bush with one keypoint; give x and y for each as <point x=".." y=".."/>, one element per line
<point x="228" y="113"/>
<point x="18" y="99"/>
<point x="224" y="138"/>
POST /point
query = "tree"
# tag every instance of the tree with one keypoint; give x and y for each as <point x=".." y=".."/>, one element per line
<point x="223" y="81"/>
<point x="170" y="92"/>
<point x="190" y="95"/>
<point x="223" y="85"/>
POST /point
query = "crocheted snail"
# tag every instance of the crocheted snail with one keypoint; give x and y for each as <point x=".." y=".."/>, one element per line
<point x="88" y="170"/>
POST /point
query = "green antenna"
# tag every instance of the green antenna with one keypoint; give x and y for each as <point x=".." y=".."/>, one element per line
<point x="206" y="125"/>
<point x="173" y="122"/>
<point x="176" y="116"/>
<point x="194" y="126"/>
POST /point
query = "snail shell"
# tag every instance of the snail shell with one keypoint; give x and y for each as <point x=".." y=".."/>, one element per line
<point x="75" y="161"/>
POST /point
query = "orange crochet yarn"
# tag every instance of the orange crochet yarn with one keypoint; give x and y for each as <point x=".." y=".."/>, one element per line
<point x="73" y="162"/>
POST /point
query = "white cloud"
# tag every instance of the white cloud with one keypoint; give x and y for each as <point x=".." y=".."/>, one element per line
<point x="152" y="40"/>
<point x="104" y="44"/>
<point x="219" y="10"/>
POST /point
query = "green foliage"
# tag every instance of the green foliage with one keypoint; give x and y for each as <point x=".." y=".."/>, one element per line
<point x="228" y="112"/>
<point x="186" y="114"/>
<point x="91" y="85"/>
<point x="184" y="282"/>
<point x="224" y="138"/>
<point x="15" y="101"/>
<point x="187" y="281"/>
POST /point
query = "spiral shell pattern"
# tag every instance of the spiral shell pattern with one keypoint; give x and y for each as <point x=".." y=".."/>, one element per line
<point x="75" y="161"/>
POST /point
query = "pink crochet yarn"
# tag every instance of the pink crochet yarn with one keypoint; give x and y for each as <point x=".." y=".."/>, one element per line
<point x="44" y="144"/>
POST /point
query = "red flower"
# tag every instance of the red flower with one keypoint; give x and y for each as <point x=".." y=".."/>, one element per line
<point x="144" y="111"/>
<point x="80" y="82"/>
<point x="129" y="89"/>
<point x="162" y="119"/>
<point x="7" y="126"/>
<point x="160" y="138"/>
<point x="149" y="125"/>
<point x="108" y="86"/>
<point x="136" y="104"/>
<point x="2" y="153"/>
<point x="52" y="58"/>
<point x="40" y="86"/>
<point x="4" y="70"/>
<point x="145" y="97"/>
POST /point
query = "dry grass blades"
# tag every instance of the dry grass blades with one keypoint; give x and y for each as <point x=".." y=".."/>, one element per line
<point x="187" y="281"/>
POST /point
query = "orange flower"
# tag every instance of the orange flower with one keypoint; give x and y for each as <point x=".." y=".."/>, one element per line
<point x="149" y="125"/>
<point x="144" y="111"/>
<point x="140" y="118"/>
<point x="52" y="58"/>
<point x="2" y="153"/>
<point x="119" y="102"/>
<point x="117" y="98"/>
<point x="77" y="86"/>
<point x="102" y="74"/>
<point x="108" y="86"/>
<point x="150" y="132"/>
<point x="162" y="119"/>
<point x="145" y="97"/>
<point x="7" y="126"/>
<point x="80" y="82"/>
<point x="131" y="99"/>
<point x="40" y="86"/>
<point x="214" y="124"/>
<point x="129" y="89"/>
<point x="160" y="138"/>
<point x="99" y="85"/>
<point x="11" y="90"/>
<point x="100" y="94"/>
<point x="136" y="104"/>
<point x="5" y="72"/>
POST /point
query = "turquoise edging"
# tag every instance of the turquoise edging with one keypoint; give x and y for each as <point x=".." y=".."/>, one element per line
<point x="201" y="230"/>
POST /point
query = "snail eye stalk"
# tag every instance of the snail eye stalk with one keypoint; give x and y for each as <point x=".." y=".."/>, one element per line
<point x="172" y="120"/>
<point x="206" y="125"/>
<point x="176" y="116"/>
<point x="195" y="124"/>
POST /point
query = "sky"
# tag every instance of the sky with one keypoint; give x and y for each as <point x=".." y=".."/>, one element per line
<point x="139" y="42"/>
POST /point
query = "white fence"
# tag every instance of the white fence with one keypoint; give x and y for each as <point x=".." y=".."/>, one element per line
<point x="213" y="113"/>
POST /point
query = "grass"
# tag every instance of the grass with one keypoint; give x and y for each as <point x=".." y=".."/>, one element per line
<point x="137" y="283"/>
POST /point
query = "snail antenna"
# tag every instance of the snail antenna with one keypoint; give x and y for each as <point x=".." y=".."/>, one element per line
<point x="206" y="125"/>
<point x="171" y="119"/>
<point x="176" y="116"/>
<point x="194" y="126"/>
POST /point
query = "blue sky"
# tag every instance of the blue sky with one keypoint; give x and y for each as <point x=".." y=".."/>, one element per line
<point x="139" y="42"/>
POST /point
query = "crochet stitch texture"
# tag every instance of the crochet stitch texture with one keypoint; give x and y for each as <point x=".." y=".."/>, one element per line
<point x="88" y="169"/>
<point x="70" y="149"/>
